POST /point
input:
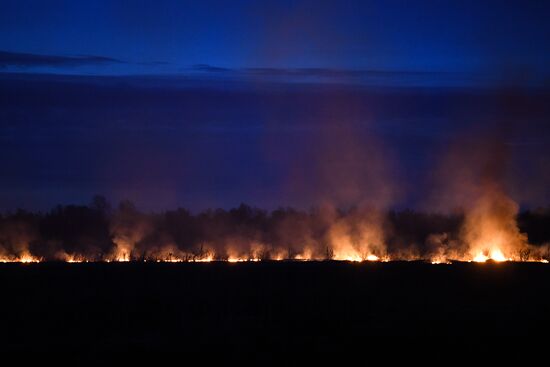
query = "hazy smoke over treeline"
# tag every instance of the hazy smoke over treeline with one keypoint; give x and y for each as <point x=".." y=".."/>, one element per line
<point x="354" y="153"/>
<point x="101" y="232"/>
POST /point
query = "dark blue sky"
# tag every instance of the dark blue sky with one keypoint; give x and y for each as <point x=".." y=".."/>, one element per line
<point x="169" y="36"/>
<point x="210" y="103"/>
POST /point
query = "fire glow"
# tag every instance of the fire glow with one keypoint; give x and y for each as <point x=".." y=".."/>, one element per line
<point x="495" y="255"/>
<point x="24" y="259"/>
<point x="488" y="233"/>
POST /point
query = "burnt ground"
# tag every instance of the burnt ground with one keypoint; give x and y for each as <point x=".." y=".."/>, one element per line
<point x="282" y="305"/>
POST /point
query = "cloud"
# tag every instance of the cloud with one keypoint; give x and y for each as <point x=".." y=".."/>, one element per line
<point x="314" y="72"/>
<point x="341" y="75"/>
<point x="33" y="60"/>
<point x="153" y="63"/>
<point x="209" y="68"/>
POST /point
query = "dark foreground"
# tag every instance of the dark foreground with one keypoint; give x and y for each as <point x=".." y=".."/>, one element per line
<point x="239" y="307"/>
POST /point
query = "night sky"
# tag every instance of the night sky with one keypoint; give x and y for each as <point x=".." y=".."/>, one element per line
<point x="214" y="103"/>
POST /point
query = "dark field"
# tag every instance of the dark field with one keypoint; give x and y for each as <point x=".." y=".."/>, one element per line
<point x="206" y="306"/>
